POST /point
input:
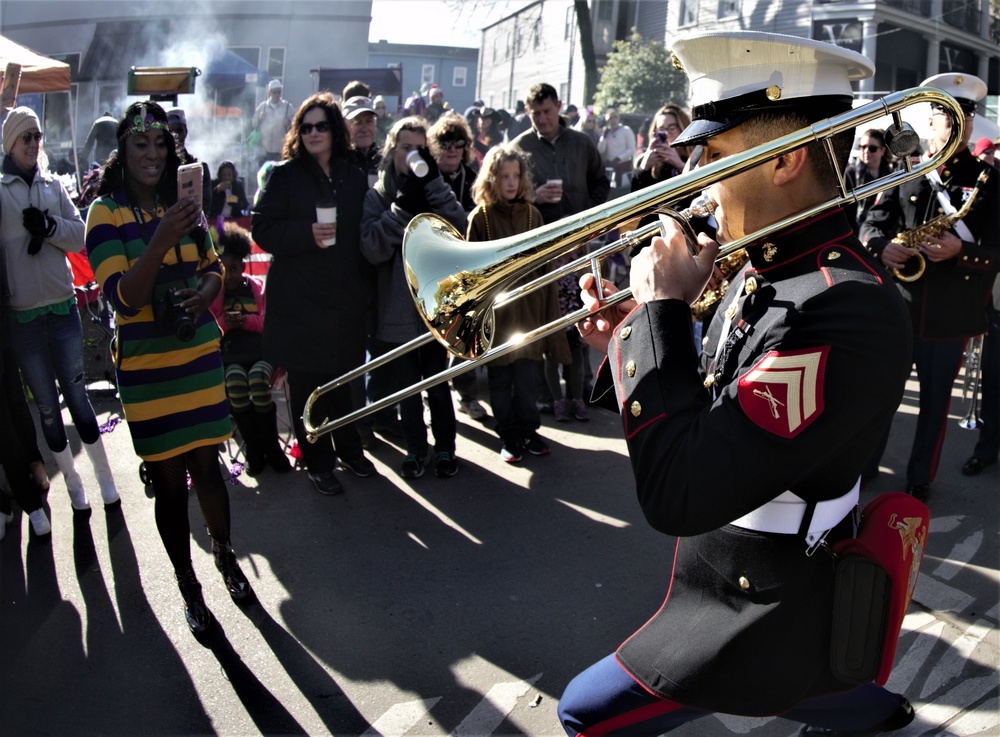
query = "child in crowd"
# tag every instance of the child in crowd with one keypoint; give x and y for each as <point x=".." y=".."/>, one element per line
<point x="239" y="310"/>
<point x="503" y="193"/>
<point x="571" y="404"/>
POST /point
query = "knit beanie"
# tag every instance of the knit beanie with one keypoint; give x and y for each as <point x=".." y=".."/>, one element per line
<point x="18" y="120"/>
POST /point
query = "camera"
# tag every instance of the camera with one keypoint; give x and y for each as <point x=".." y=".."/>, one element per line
<point x="173" y="318"/>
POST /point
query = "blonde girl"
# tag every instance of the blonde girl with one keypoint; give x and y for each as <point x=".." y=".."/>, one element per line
<point x="503" y="193"/>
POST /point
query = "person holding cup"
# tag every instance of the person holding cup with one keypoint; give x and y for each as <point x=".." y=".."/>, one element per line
<point x="319" y="285"/>
<point x="410" y="183"/>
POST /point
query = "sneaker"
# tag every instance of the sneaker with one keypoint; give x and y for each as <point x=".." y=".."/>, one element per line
<point x="473" y="409"/>
<point x="40" y="522"/>
<point x="195" y="612"/>
<point x="511" y="453"/>
<point x="359" y="466"/>
<point x="236" y="582"/>
<point x="560" y="410"/>
<point x="413" y="467"/>
<point x="580" y="410"/>
<point x="535" y="445"/>
<point x="445" y="465"/>
<point x="326" y="483"/>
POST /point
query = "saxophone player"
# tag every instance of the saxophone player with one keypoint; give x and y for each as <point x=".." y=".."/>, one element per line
<point x="948" y="303"/>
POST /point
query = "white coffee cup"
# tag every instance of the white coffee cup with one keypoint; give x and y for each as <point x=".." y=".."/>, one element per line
<point x="327" y="214"/>
<point x="417" y="164"/>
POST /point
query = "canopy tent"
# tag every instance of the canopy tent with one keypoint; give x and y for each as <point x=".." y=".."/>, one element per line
<point x="226" y="70"/>
<point x="38" y="73"/>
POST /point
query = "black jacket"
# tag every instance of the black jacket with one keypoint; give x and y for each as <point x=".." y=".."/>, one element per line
<point x="317" y="298"/>
<point x="219" y="199"/>
<point x="803" y="395"/>
<point x="949" y="301"/>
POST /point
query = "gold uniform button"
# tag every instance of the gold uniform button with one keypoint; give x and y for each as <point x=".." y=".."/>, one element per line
<point x="744" y="583"/>
<point x="751" y="286"/>
<point x="635" y="409"/>
<point x="833" y="255"/>
<point x="946" y="172"/>
<point x="630" y="369"/>
<point x="913" y="198"/>
<point x="966" y="278"/>
<point x="626" y="331"/>
<point x="732" y="310"/>
<point x="773" y="93"/>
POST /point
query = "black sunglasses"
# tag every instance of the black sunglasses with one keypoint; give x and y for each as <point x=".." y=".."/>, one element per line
<point x="322" y="126"/>
<point x="448" y="145"/>
<point x="29" y="136"/>
<point x="873" y="147"/>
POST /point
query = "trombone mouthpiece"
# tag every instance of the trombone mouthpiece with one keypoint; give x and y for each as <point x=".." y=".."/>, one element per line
<point x="700" y="207"/>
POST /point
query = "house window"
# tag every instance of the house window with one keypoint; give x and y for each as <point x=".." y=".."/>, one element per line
<point x="427" y="74"/>
<point x="604" y="9"/>
<point x="276" y="62"/>
<point x="689" y="13"/>
<point x="563" y="91"/>
<point x="458" y="76"/>
<point x="729" y="8"/>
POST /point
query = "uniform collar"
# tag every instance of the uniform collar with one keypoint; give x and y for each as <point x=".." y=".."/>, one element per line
<point x="792" y="246"/>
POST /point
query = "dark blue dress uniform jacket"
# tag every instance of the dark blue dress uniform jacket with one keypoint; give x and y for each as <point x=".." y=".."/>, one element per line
<point x="949" y="301"/>
<point x="811" y="381"/>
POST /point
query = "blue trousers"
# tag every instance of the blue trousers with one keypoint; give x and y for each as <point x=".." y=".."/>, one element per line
<point x="937" y="365"/>
<point x="988" y="446"/>
<point x="606" y="700"/>
<point x="49" y="349"/>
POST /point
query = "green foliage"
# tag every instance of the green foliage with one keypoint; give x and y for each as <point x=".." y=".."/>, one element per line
<point x="639" y="77"/>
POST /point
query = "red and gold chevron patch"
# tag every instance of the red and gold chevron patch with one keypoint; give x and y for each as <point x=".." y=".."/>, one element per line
<point x="783" y="392"/>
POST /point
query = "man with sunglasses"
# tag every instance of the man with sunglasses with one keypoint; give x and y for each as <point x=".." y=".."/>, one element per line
<point x="948" y="303"/>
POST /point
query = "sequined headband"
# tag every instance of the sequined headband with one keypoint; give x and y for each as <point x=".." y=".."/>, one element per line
<point x="143" y="122"/>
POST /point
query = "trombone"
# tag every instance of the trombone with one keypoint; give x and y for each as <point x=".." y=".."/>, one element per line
<point x="457" y="285"/>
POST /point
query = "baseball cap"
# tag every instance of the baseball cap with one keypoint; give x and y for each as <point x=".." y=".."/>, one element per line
<point x="357" y="105"/>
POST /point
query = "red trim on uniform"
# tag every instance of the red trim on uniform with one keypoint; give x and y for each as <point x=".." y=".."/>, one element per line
<point x="857" y="258"/>
<point x="631" y="434"/>
<point x="826" y="275"/>
<point x="670" y="587"/>
<point x="630" y="718"/>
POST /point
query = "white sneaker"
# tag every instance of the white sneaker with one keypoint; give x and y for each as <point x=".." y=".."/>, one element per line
<point x="39" y="522"/>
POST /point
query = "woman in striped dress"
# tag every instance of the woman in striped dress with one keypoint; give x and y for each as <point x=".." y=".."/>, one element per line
<point x="156" y="266"/>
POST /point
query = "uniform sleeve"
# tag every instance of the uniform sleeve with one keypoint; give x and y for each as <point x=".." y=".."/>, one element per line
<point x="818" y="390"/>
<point x="106" y="252"/>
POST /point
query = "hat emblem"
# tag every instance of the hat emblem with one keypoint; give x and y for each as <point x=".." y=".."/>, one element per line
<point x="959" y="79"/>
<point x="773" y="92"/>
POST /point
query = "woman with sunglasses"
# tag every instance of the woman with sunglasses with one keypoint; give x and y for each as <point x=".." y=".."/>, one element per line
<point x="318" y="285"/>
<point x="40" y="225"/>
<point x="154" y="260"/>
<point x="873" y="163"/>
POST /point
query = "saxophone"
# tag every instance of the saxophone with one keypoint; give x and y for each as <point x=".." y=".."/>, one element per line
<point x="917" y="236"/>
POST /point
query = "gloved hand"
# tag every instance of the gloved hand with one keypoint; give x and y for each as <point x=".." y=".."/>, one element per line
<point x="432" y="167"/>
<point x="39" y="225"/>
<point x="411" y="197"/>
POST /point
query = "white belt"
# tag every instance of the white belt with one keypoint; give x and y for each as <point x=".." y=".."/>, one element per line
<point x="783" y="514"/>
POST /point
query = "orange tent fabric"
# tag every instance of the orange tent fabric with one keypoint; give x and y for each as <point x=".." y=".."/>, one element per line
<point x="38" y="73"/>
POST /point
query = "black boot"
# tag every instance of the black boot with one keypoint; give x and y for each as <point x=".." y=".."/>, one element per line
<point x="253" y="449"/>
<point x="195" y="612"/>
<point x="225" y="561"/>
<point x="267" y="427"/>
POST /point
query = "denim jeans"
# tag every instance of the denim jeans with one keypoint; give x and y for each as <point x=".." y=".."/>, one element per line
<point x="410" y="368"/>
<point x="49" y="349"/>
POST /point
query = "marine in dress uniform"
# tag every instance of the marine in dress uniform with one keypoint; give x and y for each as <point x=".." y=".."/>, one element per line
<point x="752" y="453"/>
<point x="948" y="303"/>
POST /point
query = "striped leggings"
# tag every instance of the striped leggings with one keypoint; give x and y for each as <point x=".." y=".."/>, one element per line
<point x="248" y="388"/>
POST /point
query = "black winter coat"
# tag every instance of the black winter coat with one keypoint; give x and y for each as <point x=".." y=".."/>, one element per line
<point x="317" y="298"/>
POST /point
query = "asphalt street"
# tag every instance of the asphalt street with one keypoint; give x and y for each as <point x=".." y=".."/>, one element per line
<point x="457" y="606"/>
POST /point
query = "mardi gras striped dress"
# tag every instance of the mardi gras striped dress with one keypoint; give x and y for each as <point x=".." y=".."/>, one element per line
<point x="172" y="392"/>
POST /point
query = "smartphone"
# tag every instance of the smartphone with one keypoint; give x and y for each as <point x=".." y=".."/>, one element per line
<point x="189" y="182"/>
<point x="660" y="136"/>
